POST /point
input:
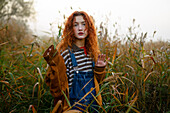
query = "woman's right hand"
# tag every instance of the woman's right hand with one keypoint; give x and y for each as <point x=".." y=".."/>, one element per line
<point x="49" y="54"/>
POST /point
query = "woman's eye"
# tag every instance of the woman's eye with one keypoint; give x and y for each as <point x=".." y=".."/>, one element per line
<point x="75" y="24"/>
<point x="84" y="24"/>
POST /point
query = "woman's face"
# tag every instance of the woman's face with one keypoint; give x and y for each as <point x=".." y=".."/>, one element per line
<point x="79" y="27"/>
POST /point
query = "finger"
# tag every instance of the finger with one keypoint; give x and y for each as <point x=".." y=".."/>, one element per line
<point x="99" y="56"/>
<point x="104" y="56"/>
<point x="48" y="53"/>
<point x="107" y="60"/>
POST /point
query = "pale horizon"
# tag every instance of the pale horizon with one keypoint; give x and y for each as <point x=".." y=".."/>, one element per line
<point x="152" y="15"/>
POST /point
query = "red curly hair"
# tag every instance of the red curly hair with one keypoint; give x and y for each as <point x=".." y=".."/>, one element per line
<point x="91" y="41"/>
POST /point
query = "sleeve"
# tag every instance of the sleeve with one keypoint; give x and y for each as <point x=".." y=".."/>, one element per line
<point x="56" y="77"/>
<point x="99" y="73"/>
<point x="53" y="82"/>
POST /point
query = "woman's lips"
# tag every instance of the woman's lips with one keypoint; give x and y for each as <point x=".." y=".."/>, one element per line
<point x="80" y="33"/>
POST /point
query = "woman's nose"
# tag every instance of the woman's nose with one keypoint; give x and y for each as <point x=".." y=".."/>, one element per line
<point x="80" y="27"/>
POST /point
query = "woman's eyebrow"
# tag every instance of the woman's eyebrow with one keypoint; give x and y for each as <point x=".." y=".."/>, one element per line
<point x="80" y="22"/>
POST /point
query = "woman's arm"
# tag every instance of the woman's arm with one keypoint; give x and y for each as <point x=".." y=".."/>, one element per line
<point x="56" y="77"/>
<point x="99" y="69"/>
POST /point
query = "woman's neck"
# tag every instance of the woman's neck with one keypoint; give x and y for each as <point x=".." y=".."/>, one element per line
<point x="80" y="43"/>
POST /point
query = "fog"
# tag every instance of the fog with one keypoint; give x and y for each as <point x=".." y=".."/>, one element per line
<point x="152" y="15"/>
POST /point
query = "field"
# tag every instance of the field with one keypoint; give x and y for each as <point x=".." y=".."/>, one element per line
<point x="137" y="78"/>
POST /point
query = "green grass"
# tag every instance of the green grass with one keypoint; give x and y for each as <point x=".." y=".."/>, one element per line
<point x="137" y="78"/>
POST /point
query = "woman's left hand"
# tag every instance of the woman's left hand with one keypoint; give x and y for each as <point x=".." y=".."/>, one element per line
<point x="101" y="61"/>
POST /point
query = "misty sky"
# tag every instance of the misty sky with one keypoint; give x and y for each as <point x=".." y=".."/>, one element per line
<point x="152" y="15"/>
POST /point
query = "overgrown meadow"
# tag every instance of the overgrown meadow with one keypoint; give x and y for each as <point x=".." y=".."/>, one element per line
<point x="137" y="74"/>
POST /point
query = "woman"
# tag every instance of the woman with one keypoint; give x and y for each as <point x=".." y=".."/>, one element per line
<point x="76" y="68"/>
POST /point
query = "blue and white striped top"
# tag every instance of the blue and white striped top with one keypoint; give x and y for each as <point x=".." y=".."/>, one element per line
<point x="84" y="62"/>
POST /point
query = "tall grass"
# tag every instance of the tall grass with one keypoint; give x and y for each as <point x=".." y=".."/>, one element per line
<point x="138" y="75"/>
<point x="137" y="78"/>
<point x="22" y="79"/>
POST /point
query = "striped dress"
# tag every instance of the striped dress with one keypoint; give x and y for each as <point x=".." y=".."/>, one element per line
<point x="84" y="62"/>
